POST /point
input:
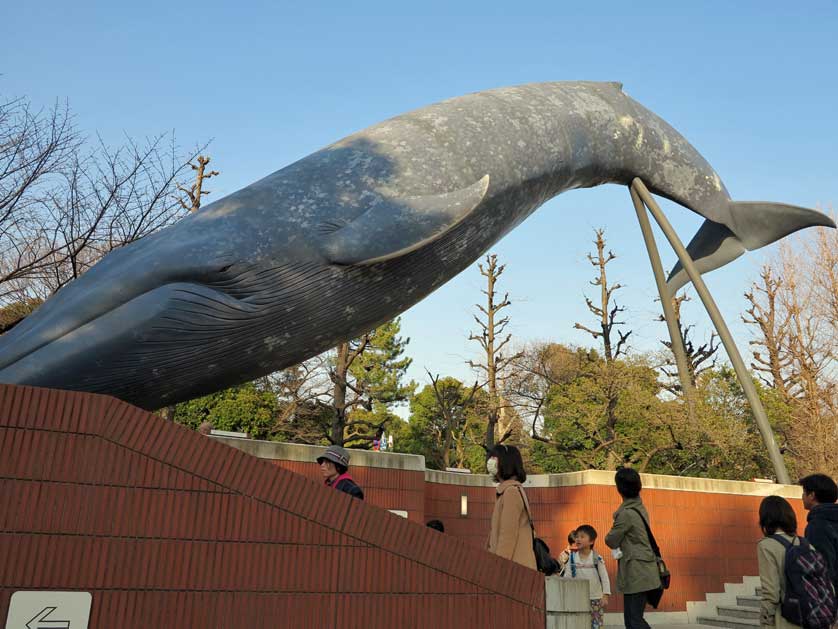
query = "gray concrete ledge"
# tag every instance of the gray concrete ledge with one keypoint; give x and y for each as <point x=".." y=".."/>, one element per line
<point x="278" y="451"/>
<point x="454" y="478"/>
<point x="673" y="483"/>
<point x="606" y="478"/>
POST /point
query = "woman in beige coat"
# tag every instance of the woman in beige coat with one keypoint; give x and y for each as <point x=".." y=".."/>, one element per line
<point x="776" y="517"/>
<point x="511" y="534"/>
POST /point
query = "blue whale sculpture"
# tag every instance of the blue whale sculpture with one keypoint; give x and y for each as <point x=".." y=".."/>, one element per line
<point x="354" y="234"/>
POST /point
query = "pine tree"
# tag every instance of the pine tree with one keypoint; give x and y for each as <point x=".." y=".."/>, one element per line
<point x="367" y="375"/>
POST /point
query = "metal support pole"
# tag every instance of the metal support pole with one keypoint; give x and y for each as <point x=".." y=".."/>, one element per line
<point x="678" y="349"/>
<point x="724" y="334"/>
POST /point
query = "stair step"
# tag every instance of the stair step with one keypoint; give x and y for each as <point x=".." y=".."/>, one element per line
<point x="739" y="611"/>
<point x="729" y="622"/>
<point x="748" y="601"/>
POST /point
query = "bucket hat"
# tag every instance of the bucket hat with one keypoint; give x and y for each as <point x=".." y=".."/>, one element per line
<point x="335" y="454"/>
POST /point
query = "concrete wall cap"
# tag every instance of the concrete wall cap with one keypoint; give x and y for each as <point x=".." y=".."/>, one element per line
<point x="276" y="450"/>
<point x="279" y="451"/>
<point x="606" y="478"/>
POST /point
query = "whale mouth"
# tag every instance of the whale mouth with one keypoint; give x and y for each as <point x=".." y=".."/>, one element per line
<point x="101" y="290"/>
<point x="181" y="334"/>
<point x="196" y="319"/>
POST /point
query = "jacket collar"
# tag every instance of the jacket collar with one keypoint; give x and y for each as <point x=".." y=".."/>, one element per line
<point x="333" y="483"/>
<point x="504" y="485"/>
<point x="825" y="511"/>
<point x="628" y="503"/>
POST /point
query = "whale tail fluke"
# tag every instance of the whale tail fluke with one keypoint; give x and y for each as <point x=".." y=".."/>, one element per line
<point x="753" y="225"/>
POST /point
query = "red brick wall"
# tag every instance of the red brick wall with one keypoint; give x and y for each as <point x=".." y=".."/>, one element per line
<point x="707" y="539"/>
<point x="159" y="522"/>
<point x="402" y="490"/>
<point x="167" y="528"/>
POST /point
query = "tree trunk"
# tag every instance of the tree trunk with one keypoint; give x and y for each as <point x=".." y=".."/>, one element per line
<point x="339" y="418"/>
<point x="446" y="445"/>
<point x="492" y="339"/>
<point x="605" y="296"/>
<point x="491" y="373"/>
<point x="611" y="460"/>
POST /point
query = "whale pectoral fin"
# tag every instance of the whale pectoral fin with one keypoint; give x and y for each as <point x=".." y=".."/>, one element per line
<point x="398" y="226"/>
<point x="713" y="246"/>
<point x="755" y="224"/>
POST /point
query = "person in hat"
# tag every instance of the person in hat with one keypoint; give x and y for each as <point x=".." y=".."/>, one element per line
<point x="334" y="463"/>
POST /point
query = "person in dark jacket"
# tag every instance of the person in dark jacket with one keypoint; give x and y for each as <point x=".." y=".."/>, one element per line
<point x="819" y="496"/>
<point x="334" y="466"/>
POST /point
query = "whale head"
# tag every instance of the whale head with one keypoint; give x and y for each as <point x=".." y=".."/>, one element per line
<point x="241" y="288"/>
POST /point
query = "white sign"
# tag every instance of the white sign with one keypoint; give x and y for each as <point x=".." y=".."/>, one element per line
<point x="49" y="610"/>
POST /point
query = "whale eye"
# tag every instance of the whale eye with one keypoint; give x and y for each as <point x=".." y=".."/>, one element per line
<point x="225" y="268"/>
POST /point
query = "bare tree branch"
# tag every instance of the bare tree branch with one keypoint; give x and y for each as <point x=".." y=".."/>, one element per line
<point x="491" y="329"/>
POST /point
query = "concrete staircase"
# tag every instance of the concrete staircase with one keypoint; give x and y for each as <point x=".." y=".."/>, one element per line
<point x="736" y="608"/>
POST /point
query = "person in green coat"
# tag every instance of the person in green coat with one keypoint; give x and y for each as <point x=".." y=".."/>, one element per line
<point x="637" y="566"/>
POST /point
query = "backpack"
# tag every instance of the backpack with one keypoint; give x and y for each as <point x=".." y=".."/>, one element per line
<point x="572" y="563"/>
<point x="809" y="599"/>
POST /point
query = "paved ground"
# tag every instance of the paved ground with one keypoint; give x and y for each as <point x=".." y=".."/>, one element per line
<point x="663" y="626"/>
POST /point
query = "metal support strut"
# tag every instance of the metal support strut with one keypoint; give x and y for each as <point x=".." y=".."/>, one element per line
<point x="641" y="195"/>
<point x="666" y="300"/>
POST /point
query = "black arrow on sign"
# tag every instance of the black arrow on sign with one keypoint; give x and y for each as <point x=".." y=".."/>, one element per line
<point x="41" y="622"/>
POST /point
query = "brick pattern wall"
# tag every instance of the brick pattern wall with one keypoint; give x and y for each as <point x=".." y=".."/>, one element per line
<point x="707" y="539"/>
<point x="167" y="528"/>
<point x="402" y="490"/>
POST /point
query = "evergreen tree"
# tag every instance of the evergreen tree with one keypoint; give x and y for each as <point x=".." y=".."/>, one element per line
<point x="446" y="425"/>
<point x="367" y="376"/>
<point x="243" y="408"/>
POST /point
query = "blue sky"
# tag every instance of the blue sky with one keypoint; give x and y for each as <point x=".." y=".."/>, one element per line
<point x="753" y="85"/>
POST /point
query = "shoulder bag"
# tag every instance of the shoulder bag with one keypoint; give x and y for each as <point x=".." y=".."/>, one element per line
<point x="654" y="596"/>
<point x="543" y="561"/>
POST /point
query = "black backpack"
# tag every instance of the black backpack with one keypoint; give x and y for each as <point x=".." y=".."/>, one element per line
<point x="809" y="600"/>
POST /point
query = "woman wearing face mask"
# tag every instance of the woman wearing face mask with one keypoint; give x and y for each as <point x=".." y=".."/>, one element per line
<point x="511" y="534"/>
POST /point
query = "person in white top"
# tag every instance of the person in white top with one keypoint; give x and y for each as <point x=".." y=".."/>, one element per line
<point x="585" y="563"/>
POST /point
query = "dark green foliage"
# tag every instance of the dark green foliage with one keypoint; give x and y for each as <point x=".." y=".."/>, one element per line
<point x="244" y="408"/>
<point x="16" y="312"/>
<point x="652" y="430"/>
<point x="446" y="426"/>
<point x="380" y="369"/>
